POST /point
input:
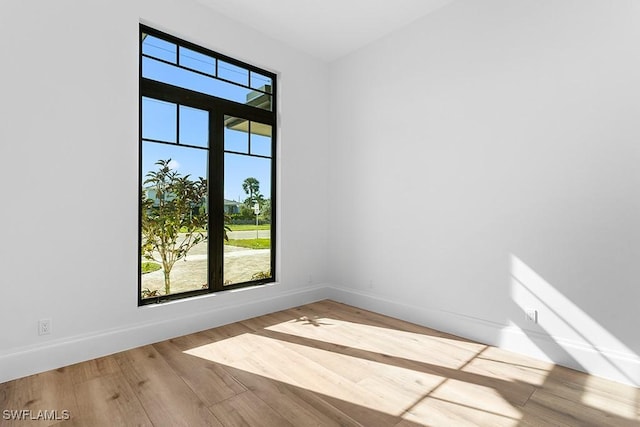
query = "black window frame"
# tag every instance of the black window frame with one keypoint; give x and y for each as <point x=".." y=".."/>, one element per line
<point x="218" y="108"/>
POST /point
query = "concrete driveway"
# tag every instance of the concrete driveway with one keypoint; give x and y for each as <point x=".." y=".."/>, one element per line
<point x="249" y="234"/>
<point x="240" y="264"/>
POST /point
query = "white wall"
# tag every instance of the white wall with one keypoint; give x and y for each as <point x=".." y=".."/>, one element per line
<point x="69" y="176"/>
<point x="484" y="160"/>
<point x="479" y="162"/>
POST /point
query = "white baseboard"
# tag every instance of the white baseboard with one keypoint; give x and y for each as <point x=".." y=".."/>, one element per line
<point x="21" y="362"/>
<point x="614" y="365"/>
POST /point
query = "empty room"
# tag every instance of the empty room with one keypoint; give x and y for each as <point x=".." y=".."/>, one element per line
<point x="319" y="213"/>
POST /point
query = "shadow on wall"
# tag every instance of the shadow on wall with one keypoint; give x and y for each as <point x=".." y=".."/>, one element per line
<point x="566" y="334"/>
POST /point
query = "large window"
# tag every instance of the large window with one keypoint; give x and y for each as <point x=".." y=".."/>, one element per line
<point x="207" y="170"/>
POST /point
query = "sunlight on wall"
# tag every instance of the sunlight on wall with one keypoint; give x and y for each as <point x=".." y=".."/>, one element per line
<point x="564" y="329"/>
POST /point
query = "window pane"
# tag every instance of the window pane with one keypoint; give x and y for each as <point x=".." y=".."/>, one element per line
<point x="171" y="217"/>
<point x="194" y="126"/>
<point x="236" y="134"/>
<point x="260" y="139"/>
<point x="176" y="76"/>
<point x="258" y="81"/>
<point x="233" y="73"/>
<point x="159" y="120"/>
<point x="247" y="254"/>
<point x="159" y="48"/>
<point x="197" y="61"/>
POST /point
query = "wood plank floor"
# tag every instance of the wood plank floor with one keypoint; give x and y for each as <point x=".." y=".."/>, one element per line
<point x="323" y="364"/>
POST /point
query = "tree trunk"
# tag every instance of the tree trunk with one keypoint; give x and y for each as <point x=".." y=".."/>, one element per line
<point x="167" y="281"/>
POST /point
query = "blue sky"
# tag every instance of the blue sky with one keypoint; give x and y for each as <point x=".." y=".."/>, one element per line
<point x="159" y="121"/>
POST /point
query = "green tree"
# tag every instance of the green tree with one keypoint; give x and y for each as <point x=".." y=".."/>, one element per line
<point x="246" y="213"/>
<point x="265" y="213"/>
<point x="251" y="186"/>
<point x="174" y="215"/>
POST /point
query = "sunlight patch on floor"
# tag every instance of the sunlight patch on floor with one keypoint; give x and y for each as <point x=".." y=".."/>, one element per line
<point x="437" y="411"/>
<point x="402" y="344"/>
<point x="503" y="365"/>
<point x="371" y="378"/>
<point x="259" y="355"/>
<point x="620" y="402"/>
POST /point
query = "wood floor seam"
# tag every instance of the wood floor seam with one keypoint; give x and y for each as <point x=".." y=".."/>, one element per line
<point x="529" y="398"/>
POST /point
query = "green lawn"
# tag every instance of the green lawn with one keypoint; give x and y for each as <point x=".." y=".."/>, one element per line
<point x="148" y="267"/>
<point x="250" y="243"/>
<point x="245" y="227"/>
<point x="236" y="227"/>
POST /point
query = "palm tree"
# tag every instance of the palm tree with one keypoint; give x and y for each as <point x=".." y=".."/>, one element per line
<point x="251" y="186"/>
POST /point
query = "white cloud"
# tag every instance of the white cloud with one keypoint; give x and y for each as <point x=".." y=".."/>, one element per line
<point x="174" y="165"/>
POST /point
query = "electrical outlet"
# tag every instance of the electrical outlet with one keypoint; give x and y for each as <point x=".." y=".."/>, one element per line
<point x="531" y="315"/>
<point x="44" y="326"/>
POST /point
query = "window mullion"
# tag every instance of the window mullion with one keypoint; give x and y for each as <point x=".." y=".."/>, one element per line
<point x="177" y="123"/>
<point x="216" y="200"/>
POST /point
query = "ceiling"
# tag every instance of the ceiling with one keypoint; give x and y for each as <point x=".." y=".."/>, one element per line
<point x="326" y="29"/>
